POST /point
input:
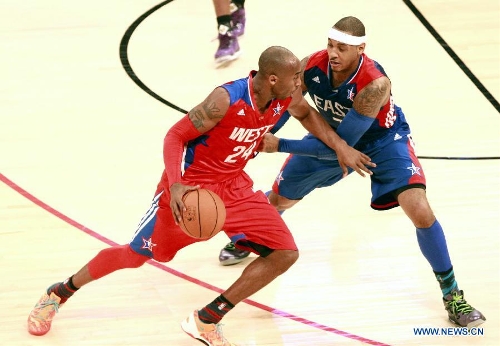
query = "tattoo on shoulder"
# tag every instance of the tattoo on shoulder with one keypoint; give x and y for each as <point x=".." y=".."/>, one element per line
<point x="198" y="115"/>
<point x="212" y="110"/>
<point x="371" y="98"/>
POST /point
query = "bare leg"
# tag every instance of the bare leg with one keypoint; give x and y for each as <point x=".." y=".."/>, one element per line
<point x="221" y="7"/>
<point x="416" y="206"/>
<point x="82" y="277"/>
<point x="281" y="203"/>
<point x="260" y="273"/>
<point x="430" y="235"/>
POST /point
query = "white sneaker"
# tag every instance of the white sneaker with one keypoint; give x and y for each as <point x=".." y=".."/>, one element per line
<point x="208" y="333"/>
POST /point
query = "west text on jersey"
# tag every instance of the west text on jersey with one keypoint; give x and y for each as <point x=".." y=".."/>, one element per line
<point x="249" y="135"/>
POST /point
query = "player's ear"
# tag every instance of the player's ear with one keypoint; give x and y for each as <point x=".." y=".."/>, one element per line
<point x="273" y="79"/>
<point x="361" y="48"/>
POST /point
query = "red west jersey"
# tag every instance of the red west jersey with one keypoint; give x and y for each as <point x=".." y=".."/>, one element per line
<point x="223" y="152"/>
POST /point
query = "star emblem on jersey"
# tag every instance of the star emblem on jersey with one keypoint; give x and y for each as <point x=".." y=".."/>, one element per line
<point x="351" y="94"/>
<point x="414" y="169"/>
<point x="148" y="244"/>
<point x="277" y="109"/>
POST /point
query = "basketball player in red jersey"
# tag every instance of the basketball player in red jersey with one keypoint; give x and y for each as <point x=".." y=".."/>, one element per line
<point x="353" y="94"/>
<point x="209" y="148"/>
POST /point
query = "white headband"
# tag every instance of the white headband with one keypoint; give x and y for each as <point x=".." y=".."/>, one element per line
<point x="340" y="36"/>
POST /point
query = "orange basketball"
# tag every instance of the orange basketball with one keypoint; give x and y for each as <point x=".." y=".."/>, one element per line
<point x="205" y="214"/>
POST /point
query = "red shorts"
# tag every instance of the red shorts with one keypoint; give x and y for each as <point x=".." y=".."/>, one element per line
<point x="250" y="221"/>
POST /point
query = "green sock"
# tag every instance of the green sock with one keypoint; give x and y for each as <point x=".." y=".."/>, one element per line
<point x="447" y="281"/>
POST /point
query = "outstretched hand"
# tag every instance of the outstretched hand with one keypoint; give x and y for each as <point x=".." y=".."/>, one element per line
<point x="350" y="157"/>
<point x="177" y="191"/>
<point x="269" y="144"/>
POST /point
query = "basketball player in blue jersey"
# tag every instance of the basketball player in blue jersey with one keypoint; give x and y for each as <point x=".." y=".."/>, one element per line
<point x="353" y="94"/>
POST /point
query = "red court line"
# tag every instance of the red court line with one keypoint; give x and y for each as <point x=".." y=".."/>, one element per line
<point x="163" y="267"/>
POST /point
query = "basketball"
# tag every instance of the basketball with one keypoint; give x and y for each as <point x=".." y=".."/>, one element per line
<point x="205" y="214"/>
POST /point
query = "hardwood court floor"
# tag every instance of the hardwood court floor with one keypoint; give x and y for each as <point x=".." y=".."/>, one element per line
<point x="80" y="156"/>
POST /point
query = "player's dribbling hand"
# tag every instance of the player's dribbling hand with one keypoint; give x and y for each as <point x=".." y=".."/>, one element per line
<point x="177" y="191"/>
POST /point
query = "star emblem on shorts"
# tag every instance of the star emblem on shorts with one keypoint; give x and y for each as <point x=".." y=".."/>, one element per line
<point x="148" y="244"/>
<point x="279" y="178"/>
<point x="414" y="169"/>
<point x="277" y="109"/>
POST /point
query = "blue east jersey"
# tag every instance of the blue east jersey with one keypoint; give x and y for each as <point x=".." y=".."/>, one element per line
<point x="334" y="102"/>
<point x="387" y="142"/>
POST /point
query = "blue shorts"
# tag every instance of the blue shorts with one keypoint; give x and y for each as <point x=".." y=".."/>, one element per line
<point x="397" y="169"/>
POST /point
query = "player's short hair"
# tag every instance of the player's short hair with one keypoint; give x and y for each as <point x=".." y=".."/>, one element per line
<point x="274" y="59"/>
<point x="351" y="25"/>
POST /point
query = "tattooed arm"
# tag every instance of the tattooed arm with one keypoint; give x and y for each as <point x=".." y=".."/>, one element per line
<point x="373" y="97"/>
<point x="208" y="113"/>
<point x="366" y="106"/>
<point x="200" y="119"/>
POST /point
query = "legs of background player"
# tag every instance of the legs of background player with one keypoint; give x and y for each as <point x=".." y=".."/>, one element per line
<point x="230" y="255"/>
<point x="433" y="245"/>
<point x="230" y="24"/>
<point x="238" y="16"/>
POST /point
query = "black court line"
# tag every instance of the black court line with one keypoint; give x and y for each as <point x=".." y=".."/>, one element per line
<point x="453" y="55"/>
<point x="126" y="63"/>
<point x="123" y="51"/>
<point x="458" y="157"/>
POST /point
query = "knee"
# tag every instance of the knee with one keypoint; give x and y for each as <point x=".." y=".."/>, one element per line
<point x="416" y="206"/>
<point x="134" y="260"/>
<point x="293" y="256"/>
<point x="283" y="259"/>
<point x="112" y="259"/>
<point x="422" y="216"/>
<point x="424" y="222"/>
<point x="281" y="203"/>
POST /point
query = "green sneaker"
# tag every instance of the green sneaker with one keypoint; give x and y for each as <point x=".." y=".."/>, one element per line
<point x="230" y="255"/>
<point x="460" y="312"/>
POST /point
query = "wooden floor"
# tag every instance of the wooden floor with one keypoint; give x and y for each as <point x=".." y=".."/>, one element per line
<point x="81" y="153"/>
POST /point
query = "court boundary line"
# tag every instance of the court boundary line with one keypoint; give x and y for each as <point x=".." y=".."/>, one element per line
<point x="11" y="184"/>
<point x="123" y="52"/>
<point x="460" y="63"/>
